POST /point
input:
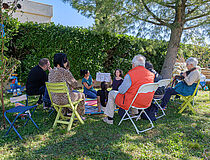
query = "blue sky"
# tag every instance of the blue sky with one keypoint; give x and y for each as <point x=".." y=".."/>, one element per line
<point x="64" y="14"/>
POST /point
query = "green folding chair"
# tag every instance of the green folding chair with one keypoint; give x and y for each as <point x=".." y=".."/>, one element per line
<point x="57" y="88"/>
<point x="188" y="100"/>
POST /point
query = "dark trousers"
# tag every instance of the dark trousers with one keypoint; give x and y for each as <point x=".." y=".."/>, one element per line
<point x="37" y="91"/>
<point x="169" y="92"/>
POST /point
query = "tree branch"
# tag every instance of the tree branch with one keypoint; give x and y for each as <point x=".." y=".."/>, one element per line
<point x="165" y="5"/>
<point x="194" y="26"/>
<point x="196" y="17"/>
<point x="191" y="11"/>
<point x="155" y="23"/>
<point x="154" y="16"/>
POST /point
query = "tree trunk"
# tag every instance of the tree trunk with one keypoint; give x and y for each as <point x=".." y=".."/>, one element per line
<point x="2" y="102"/>
<point x="172" y="51"/>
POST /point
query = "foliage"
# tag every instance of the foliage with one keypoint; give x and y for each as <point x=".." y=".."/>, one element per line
<point x="175" y="136"/>
<point x="7" y="65"/>
<point x="148" y="17"/>
<point x="158" y="19"/>
<point x="85" y="48"/>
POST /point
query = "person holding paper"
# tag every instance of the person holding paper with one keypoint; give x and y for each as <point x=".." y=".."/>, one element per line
<point x="117" y="81"/>
<point x="88" y="84"/>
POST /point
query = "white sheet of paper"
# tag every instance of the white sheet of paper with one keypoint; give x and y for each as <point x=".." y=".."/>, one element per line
<point x="100" y="77"/>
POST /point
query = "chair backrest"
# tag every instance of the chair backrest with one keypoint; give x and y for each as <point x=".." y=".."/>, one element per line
<point x="146" y="88"/>
<point x="163" y="82"/>
<point x="196" y="89"/>
<point x="59" y="87"/>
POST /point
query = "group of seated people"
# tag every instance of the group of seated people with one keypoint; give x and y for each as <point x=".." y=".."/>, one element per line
<point x="123" y="90"/>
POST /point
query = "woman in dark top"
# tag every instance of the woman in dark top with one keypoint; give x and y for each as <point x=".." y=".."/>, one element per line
<point x="102" y="96"/>
<point x="117" y="81"/>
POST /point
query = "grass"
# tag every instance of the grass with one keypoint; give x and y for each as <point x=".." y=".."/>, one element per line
<point x="175" y="136"/>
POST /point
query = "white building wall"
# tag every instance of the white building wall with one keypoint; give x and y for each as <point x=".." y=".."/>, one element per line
<point x="33" y="11"/>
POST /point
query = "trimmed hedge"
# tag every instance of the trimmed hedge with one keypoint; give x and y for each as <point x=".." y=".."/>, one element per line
<point x="85" y="48"/>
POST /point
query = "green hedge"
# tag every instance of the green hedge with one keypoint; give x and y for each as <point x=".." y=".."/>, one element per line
<point x="85" y="48"/>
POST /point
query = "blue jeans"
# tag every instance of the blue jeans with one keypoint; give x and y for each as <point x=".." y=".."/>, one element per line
<point x="46" y="98"/>
<point x="169" y="92"/>
<point x="90" y="94"/>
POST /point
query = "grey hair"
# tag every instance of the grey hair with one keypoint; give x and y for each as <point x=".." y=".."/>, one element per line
<point x="139" y="60"/>
<point x="43" y="62"/>
<point x="192" y="61"/>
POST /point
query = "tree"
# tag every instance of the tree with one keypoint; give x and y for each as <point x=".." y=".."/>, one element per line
<point x="160" y="19"/>
<point x="7" y="65"/>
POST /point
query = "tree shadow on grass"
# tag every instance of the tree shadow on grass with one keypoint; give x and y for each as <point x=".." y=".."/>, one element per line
<point x="98" y="140"/>
<point x="41" y="118"/>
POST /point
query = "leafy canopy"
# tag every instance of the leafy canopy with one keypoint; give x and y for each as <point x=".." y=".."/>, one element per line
<point x="147" y="18"/>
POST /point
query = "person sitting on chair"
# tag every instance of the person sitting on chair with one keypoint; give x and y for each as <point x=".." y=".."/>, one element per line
<point x="135" y="78"/>
<point x="188" y="84"/>
<point x="149" y="66"/>
<point x="102" y="96"/>
<point x="60" y="74"/>
<point x="88" y="84"/>
<point x="37" y="77"/>
<point x="117" y="81"/>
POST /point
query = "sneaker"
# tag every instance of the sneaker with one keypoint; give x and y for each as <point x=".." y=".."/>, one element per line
<point x="108" y="121"/>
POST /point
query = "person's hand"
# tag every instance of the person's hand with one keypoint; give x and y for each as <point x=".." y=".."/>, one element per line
<point x="49" y="68"/>
<point x="184" y="74"/>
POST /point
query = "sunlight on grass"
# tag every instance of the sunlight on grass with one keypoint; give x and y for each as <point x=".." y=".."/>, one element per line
<point x="175" y="136"/>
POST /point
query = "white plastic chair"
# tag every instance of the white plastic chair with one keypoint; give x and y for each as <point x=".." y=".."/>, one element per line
<point x="145" y="88"/>
<point x="161" y="83"/>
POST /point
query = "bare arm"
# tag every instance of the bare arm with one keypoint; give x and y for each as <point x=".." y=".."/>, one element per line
<point x="86" y="85"/>
<point x="98" y="103"/>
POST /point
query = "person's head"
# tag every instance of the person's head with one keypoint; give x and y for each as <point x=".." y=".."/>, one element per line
<point x="191" y="63"/>
<point x="149" y="65"/>
<point x="60" y="60"/>
<point x="84" y="73"/>
<point x="104" y="85"/>
<point x="44" y="63"/>
<point x="138" y="60"/>
<point x="118" y="73"/>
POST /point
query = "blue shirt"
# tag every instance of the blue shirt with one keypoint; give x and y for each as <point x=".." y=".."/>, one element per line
<point x="89" y="83"/>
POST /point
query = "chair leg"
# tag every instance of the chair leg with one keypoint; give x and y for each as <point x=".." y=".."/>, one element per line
<point x="126" y="112"/>
<point x="57" y="117"/>
<point x="12" y="125"/>
<point x="53" y="109"/>
<point x="191" y="108"/>
<point x="29" y="115"/>
<point x="71" y="121"/>
<point x="77" y="115"/>
<point x="139" y="115"/>
<point x="161" y="109"/>
<point x="150" y="123"/>
<point x="184" y="106"/>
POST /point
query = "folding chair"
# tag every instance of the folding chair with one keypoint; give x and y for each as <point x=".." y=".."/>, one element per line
<point x="57" y="88"/>
<point x="145" y="88"/>
<point x="156" y="98"/>
<point x="188" y="100"/>
<point x="20" y="110"/>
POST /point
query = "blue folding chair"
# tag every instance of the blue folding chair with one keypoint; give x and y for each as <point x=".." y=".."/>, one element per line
<point x="20" y="110"/>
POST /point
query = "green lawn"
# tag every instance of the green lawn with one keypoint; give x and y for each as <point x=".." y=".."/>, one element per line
<point x="175" y="136"/>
